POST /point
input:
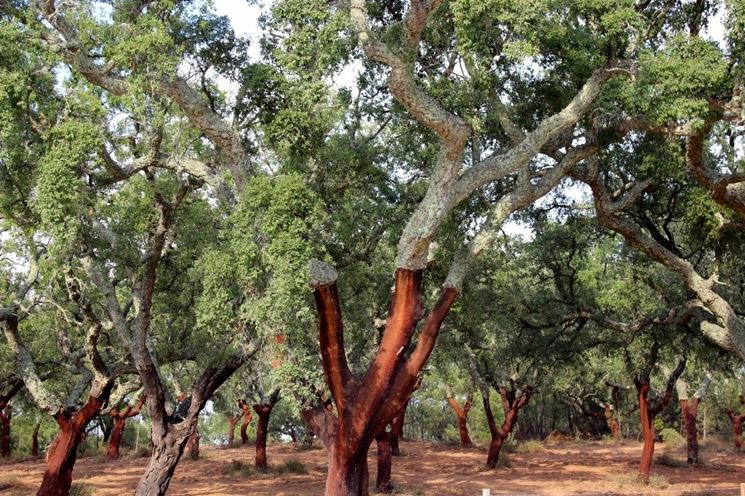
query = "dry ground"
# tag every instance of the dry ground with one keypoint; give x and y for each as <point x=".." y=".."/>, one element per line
<point x="584" y="468"/>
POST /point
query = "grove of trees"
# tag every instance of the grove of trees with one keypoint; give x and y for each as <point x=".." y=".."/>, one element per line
<point x="367" y="220"/>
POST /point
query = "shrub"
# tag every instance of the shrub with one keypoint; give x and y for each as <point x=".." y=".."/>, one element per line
<point x="239" y="468"/>
<point x="632" y="479"/>
<point x="293" y="466"/>
<point x="80" y="490"/>
<point x="669" y="460"/>
<point x="531" y="447"/>
<point x="672" y="438"/>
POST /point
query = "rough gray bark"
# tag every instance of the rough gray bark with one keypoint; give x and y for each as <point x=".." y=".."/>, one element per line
<point x="723" y="327"/>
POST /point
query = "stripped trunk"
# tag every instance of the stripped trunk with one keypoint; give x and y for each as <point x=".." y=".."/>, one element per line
<point x="35" y="440"/>
<point x="397" y="431"/>
<point x="366" y="405"/>
<point x="689" y="410"/>
<point x="512" y="402"/>
<point x="120" y="417"/>
<point x="648" y="434"/>
<point x="612" y="421"/>
<point x="5" y="415"/>
<point x="263" y="410"/>
<point x="648" y="412"/>
<point x="115" y="438"/>
<point x="246" y="409"/>
<point x="383" y="482"/>
<point x="64" y="450"/>
<point x="461" y="414"/>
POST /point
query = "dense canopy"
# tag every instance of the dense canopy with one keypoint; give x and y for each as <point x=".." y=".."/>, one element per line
<point x="360" y="209"/>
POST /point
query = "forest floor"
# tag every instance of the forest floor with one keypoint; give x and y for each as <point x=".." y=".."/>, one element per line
<point x="581" y="468"/>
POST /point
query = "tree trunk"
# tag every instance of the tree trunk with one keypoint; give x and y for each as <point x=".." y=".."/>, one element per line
<point x="397" y="432"/>
<point x="367" y="404"/>
<point x="35" y="440"/>
<point x="512" y="402"/>
<point x="737" y="420"/>
<point x="163" y="461"/>
<point x="64" y="450"/>
<point x="262" y="429"/>
<point x="689" y="410"/>
<point x="5" y="431"/>
<point x="648" y="434"/>
<point x="347" y="473"/>
<point x="495" y="447"/>
<point x="193" y="445"/>
<point x="232" y="422"/>
<point x="461" y="415"/>
<point x="246" y="420"/>
<point x="115" y="438"/>
<point x="383" y="483"/>
<point x="611" y="421"/>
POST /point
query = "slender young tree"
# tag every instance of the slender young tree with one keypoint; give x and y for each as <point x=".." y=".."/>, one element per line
<point x="461" y="416"/>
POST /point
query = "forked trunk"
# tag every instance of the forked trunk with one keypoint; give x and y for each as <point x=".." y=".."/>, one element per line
<point x="64" y="450"/>
<point x="35" y="440"/>
<point x="689" y="410"/>
<point x="347" y="473"/>
<point x="461" y="414"/>
<point x="115" y="438"/>
<point x="512" y="402"/>
<point x="648" y="434"/>
<point x="366" y="405"/>
<point x="5" y="431"/>
<point x="383" y="482"/>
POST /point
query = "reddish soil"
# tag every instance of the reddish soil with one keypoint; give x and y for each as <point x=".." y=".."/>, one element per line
<point x="587" y="468"/>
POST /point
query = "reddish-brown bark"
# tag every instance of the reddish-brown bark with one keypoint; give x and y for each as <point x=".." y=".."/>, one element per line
<point x="461" y="415"/>
<point x="689" y="412"/>
<point x="512" y="402"/>
<point x="5" y="414"/>
<point x="63" y="451"/>
<point x="120" y="417"/>
<point x="647" y="414"/>
<point x="737" y="420"/>
<point x="611" y="421"/>
<point x="383" y="482"/>
<point x="263" y="410"/>
<point x="367" y="404"/>
<point x="648" y="434"/>
<point x="35" y="440"/>
<point x="247" y="416"/>
<point x="397" y="431"/>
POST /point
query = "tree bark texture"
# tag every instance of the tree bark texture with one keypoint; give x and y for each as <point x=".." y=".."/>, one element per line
<point x="367" y="404"/>
<point x="120" y="416"/>
<point x="63" y="452"/>
<point x="461" y="415"/>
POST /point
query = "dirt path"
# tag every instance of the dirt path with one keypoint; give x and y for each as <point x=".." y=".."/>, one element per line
<point x="424" y="469"/>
